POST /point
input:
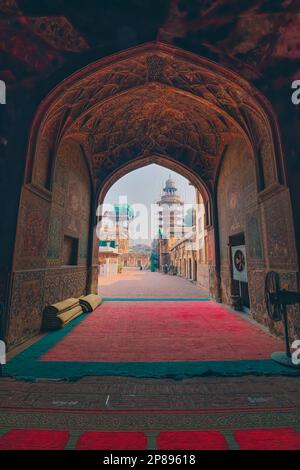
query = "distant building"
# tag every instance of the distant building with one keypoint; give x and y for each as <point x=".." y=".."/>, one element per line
<point x="138" y="256"/>
<point x="189" y="255"/>
<point x="108" y="257"/>
<point x="114" y="239"/>
<point x="170" y="223"/>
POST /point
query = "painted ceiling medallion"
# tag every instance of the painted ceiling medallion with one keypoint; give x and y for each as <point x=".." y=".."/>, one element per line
<point x="58" y="32"/>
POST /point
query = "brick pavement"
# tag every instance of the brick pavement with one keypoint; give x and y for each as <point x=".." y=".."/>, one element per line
<point x="133" y="283"/>
<point x="117" y="393"/>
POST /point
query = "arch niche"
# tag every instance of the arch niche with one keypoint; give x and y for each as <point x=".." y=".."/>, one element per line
<point x="154" y="103"/>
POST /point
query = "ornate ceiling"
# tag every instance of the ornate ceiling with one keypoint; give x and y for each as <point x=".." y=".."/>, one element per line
<point x="42" y="42"/>
<point x="253" y="37"/>
<point x="154" y="120"/>
<point x="152" y="100"/>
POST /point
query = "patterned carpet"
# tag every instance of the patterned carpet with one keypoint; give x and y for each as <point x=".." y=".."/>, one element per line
<point x="157" y="339"/>
<point x="163" y="332"/>
<point x="209" y="430"/>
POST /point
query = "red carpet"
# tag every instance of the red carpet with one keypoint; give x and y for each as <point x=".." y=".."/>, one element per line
<point x="34" y="439"/>
<point x="247" y="439"/>
<point x="161" y="332"/>
<point x="112" y="441"/>
<point x="268" y="439"/>
<point x="203" y="440"/>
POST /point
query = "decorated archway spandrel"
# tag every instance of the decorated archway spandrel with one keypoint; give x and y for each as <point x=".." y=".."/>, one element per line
<point x="219" y="104"/>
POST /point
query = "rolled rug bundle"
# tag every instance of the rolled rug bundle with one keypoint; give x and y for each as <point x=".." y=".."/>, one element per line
<point x="60" y="314"/>
<point x="90" y="302"/>
<point x="62" y="306"/>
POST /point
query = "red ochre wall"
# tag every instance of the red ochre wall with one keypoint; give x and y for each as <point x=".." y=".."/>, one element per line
<point x="265" y="218"/>
<point x="45" y="217"/>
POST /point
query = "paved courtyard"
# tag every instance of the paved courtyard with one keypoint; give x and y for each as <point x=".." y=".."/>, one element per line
<point x="133" y="283"/>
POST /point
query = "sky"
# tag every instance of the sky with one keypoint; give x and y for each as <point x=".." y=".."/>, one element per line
<point x="144" y="186"/>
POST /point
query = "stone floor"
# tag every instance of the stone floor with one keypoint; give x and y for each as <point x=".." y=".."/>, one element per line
<point x="133" y="283"/>
<point x="117" y="393"/>
<point x="150" y="405"/>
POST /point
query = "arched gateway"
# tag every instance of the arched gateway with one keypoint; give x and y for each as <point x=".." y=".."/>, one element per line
<point x="150" y="104"/>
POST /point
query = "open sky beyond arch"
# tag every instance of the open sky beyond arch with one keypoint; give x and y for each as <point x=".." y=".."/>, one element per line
<point x="145" y="185"/>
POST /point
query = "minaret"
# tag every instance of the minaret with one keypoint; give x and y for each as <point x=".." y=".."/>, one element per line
<point x="170" y="196"/>
<point x="171" y="221"/>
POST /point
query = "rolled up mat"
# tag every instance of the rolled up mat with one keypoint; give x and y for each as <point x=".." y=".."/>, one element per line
<point x="90" y="302"/>
<point x="59" y="321"/>
<point x="61" y="307"/>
